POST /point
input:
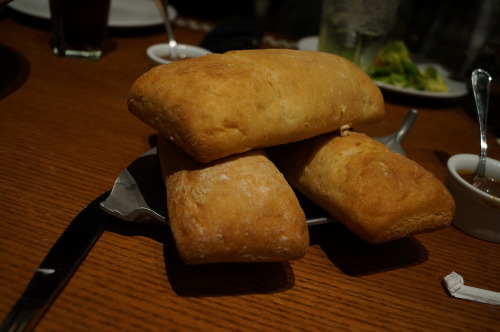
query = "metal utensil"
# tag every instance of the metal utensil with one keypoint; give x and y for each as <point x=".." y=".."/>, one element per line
<point x="394" y="140"/>
<point x="139" y="193"/>
<point x="144" y="201"/>
<point x="57" y="268"/>
<point x="172" y="43"/>
<point x="481" y="81"/>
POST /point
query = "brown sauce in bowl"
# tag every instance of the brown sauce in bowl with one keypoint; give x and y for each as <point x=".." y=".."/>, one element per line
<point x="180" y="57"/>
<point x="489" y="185"/>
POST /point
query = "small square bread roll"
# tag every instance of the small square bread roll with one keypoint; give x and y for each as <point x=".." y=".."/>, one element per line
<point x="236" y="209"/>
<point x="378" y="194"/>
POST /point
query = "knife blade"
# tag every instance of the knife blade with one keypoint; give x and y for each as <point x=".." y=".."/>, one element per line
<point x="56" y="269"/>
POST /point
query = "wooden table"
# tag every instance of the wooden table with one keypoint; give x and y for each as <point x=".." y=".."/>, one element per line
<point x="65" y="134"/>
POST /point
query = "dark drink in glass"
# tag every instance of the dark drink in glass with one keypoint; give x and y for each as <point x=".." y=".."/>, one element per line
<point x="80" y="27"/>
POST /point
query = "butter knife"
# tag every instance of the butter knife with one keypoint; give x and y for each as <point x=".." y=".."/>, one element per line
<point x="57" y="268"/>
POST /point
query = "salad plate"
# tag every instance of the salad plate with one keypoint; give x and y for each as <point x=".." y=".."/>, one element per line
<point x="123" y="13"/>
<point x="456" y="88"/>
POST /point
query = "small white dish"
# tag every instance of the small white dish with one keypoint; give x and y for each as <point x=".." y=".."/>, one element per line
<point x="159" y="53"/>
<point x="478" y="213"/>
<point x="309" y="43"/>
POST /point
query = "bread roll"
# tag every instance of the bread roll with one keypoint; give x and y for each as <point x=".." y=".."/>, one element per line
<point x="237" y="209"/>
<point x="375" y="192"/>
<point x="221" y="104"/>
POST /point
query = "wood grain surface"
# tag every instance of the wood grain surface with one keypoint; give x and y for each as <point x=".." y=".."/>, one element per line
<point x="65" y="134"/>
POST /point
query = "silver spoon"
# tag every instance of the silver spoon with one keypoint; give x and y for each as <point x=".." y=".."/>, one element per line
<point x="481" y="81"/>
<point x="172" y="43"/>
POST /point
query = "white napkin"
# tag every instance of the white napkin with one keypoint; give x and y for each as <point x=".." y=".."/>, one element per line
<point x="455" y="285"/>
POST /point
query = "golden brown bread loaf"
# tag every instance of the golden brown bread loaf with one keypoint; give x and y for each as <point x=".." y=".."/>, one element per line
<point x="237" y="209"/>
<point x="375" y="192"/>
<point x="221" y="104"/>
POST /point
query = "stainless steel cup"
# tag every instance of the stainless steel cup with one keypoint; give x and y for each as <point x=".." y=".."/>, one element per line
<point x="79" y="27"/>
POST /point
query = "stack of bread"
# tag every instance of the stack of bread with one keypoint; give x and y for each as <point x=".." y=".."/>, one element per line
<point x="228" y="202"/>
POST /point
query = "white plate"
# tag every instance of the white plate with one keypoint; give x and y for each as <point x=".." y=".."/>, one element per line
<point x="123" y="13"/>
<point x="456" y="88"/>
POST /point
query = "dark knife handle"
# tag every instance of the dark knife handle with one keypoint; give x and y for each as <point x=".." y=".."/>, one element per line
<point x="57" y="268"/>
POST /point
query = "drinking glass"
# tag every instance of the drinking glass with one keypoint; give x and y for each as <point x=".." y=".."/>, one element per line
<point x="356" y="29"/>
<point x="79" y="27"/>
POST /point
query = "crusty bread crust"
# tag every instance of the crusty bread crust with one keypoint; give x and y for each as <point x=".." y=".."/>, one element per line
<point x="237" y="209"/>
<point x="222" y="104"/>
<point x="375" y="192"/>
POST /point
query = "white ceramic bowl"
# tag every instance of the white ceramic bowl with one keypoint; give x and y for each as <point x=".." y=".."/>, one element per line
<point x="159" y="53"/>
<point x="478" y="213"/>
